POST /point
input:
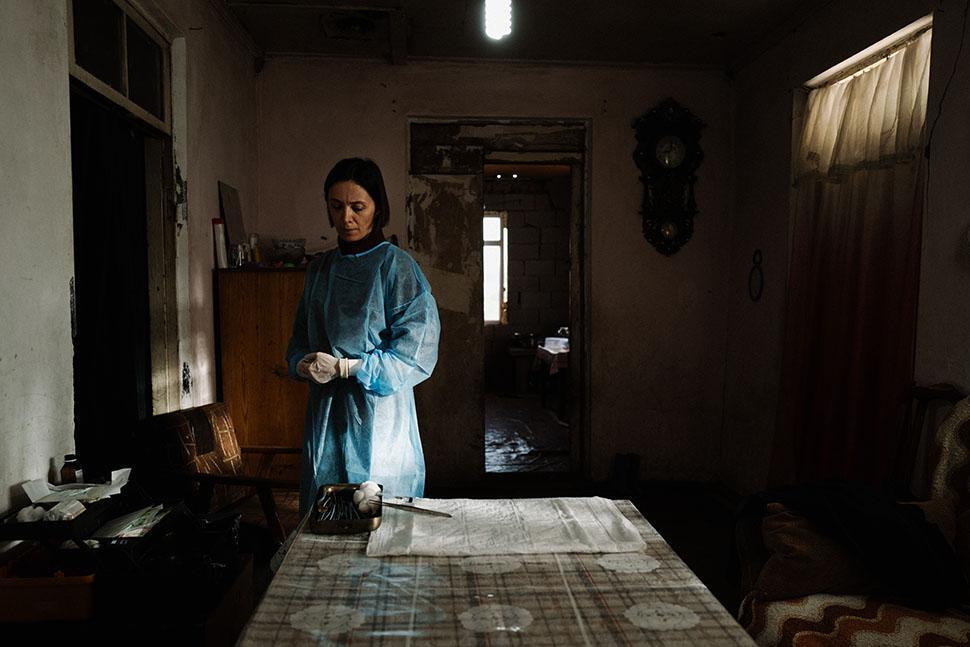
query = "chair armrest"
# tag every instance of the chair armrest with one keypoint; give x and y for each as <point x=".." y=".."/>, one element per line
<point x="267" y="453"/>
<point x="269" y="449"/>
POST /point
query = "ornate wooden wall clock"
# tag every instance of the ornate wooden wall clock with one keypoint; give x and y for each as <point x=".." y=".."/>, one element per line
<point x="668" y="153"/>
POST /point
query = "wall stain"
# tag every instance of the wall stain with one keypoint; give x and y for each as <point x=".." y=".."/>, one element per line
<point x="186" y="379"/>
<point x="181" y="199"/>
<point x="437" y="159"/>
<point x="449" y="242"/>
<point x="444" y="229"/>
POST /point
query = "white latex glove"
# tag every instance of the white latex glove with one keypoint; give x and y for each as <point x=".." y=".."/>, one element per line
<point x="319" y="367"/>
<point x="323" y="367"/>
<point x="348" y="367"/>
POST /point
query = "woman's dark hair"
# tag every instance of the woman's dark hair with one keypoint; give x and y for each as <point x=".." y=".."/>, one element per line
<point x="368" y="175"/>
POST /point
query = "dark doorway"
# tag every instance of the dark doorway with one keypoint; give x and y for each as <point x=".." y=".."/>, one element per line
<point x="527" y="224"/>
<point x="448" y="167"/>
<point x="112" y="351"/>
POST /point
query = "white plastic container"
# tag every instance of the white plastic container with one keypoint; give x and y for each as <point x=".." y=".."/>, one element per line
<point x="557" y="344"/>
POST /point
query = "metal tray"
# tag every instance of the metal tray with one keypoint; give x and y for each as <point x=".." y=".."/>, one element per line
<point x="341" y="526"/>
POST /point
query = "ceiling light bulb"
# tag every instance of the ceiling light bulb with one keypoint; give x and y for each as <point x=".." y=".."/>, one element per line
<point x="498" y="176"/>
<point x="498" y="18"/>
<point x="515" y="175"/>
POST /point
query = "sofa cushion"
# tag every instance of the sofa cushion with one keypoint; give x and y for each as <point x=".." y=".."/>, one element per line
<point x="803" y="560"/>
<point x="848" y="620"/>
<point x="951" y="474"/>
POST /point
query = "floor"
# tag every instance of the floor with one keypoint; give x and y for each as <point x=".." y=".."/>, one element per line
<point x="523" y="436"/>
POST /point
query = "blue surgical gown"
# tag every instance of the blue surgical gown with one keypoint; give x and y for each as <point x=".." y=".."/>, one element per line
<point x="377" y="307"/>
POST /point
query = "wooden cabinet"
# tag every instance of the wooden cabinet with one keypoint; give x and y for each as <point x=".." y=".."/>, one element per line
<point x="254" y="318"/>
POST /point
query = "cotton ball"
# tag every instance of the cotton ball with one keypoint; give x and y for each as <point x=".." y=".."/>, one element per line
<point x="31" y="513"/>
<point x="369" y="505"/>
<point x="366" y="497"/>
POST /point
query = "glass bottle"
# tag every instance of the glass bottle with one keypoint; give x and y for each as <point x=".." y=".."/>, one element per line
<point x="71" y="470"/>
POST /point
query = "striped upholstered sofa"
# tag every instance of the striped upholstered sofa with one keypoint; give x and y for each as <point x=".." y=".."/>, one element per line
<point x="847" y="616"/>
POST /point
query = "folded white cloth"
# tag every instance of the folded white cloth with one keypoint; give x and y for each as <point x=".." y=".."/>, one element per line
<point x="506" y="527"/>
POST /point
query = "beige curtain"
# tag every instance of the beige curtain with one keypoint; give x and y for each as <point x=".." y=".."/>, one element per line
<point x="870" y="120"/>
<point x="854" y="273"/>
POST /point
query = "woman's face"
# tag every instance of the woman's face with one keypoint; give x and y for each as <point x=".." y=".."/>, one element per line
<point x="351" y="210"/>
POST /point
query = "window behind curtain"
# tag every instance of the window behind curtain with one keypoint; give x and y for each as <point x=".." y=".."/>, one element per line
<point x="854" y="272"/>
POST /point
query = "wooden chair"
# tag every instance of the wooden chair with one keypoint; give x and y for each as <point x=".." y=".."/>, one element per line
<point x="193" y="455"/>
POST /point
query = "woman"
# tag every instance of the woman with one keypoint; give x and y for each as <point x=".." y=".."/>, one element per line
<point x="366" y="332"/>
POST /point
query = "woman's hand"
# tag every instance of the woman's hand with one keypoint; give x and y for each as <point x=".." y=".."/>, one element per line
<point x="323" y="367"/>
<point x="319" y="367"/>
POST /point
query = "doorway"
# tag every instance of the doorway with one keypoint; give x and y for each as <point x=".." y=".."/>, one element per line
<point x="526" y="262"/>
<point x="446" y="197"/>
<point x="112" y="157"/>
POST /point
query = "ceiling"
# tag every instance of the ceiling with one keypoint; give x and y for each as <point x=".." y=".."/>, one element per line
<point x="718" y="33"/>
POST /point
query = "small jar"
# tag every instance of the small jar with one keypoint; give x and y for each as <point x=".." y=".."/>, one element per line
<point x="71" y="470"/>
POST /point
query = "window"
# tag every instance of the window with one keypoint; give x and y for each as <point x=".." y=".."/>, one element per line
<point x="856" y="209"/>
<point x="495" y="265"/>
<point x="117" y="53"/>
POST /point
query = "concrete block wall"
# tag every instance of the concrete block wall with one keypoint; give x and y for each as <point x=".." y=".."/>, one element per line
<point x="538" y="224"/>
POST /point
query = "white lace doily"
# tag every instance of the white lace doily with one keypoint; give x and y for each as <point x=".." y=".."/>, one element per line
<point x="661" y="616"/>
<point x="325" y="619"/>
<point x="348" y="565"/>
<point x="628" y="562"/>
<point x="495" y="617"/>
<point x="490" y="564"/>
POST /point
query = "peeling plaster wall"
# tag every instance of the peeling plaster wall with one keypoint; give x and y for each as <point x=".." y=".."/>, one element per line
<point x="763" y="107"/>
<point x="221" y="136"/>
<point x="36" y="244"/>
<point x="657" y="329"/>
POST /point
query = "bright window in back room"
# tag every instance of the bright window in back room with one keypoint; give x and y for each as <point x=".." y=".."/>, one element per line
<point x="495" y="262"/>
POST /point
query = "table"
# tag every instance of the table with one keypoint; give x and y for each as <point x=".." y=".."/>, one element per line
<point x="553" y="364"/>
<point x="550" y="361"/>
<point x="328" y="592"/>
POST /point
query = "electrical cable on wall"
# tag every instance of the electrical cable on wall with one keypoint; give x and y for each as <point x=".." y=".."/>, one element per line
<point x="946" y="86"/>
<point x="939" y="108"/>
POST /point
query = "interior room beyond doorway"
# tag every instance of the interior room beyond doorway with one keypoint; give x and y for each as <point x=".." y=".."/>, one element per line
<point x="526" y="266"/>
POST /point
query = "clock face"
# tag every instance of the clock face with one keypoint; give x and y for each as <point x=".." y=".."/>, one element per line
<point x="670" y="151"/>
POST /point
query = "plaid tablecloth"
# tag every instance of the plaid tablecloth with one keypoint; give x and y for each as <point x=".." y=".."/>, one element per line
<point x="328" y="592"/>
